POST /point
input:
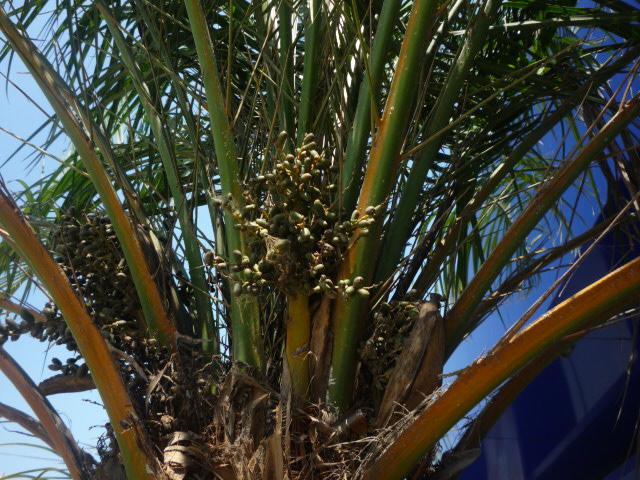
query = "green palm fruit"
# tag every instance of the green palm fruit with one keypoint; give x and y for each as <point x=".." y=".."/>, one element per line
<point x="296" y="217"/>
<point x="209" y="258"/>
<point x="83" y="370"/>
<point x="283" y="244"/>
<point x="282" y="137"/>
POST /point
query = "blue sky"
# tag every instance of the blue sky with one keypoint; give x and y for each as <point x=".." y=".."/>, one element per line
<point x="81" y="411"/>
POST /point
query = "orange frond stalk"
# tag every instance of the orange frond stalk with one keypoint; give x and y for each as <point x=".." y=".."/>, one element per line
<point x="57" y="434"/>
<point x="597" y="302"/>
<point x="134" y="446"/>
<point x="30" y="424"/>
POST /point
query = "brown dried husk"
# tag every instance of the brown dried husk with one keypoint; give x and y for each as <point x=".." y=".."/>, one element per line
<point x="242" y="430"/>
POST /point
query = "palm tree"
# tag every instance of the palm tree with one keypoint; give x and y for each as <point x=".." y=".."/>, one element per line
<point x="279" y="219"/>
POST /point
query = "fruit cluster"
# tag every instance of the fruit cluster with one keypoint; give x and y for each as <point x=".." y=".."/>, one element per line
<point x="12" y="330"/>
<point x="52" y="329"/>
<point x="70" y="367"/>
<point x="298" y="233"/>
<point x="392" y="324"/>
<point x="89" y="254"/>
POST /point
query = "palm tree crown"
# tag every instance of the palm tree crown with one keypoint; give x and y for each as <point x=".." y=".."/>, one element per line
<point x="279" y="219"/>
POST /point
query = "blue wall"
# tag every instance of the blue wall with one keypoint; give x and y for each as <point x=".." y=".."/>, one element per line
<point x="579" y="418"/>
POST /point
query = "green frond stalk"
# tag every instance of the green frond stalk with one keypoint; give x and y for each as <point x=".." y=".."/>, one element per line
<point x="181" y="96"/>
<point x="608" y="296"/>
<point x="204" y="317"/>
<point x="378" y="180"/>
<point x="244" y="309"/>
<point x="601" y="20"/>
<point x="157" y="321"/>
<point x="518" y="277"/>
<point x="307" y="106"/>
<point x="440" y="116"/>
<point x="361" y="129"/>
<point x="286" y="110"/>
